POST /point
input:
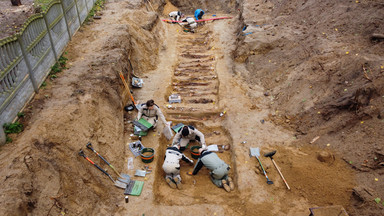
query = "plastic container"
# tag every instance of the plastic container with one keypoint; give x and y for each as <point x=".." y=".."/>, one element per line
<point x="195" y="152"/>
<point x="168" y="133"/>
<point x="130" y="163"/>
<point x="174" y="98"/>
<point x="137" y="82"/>
<point x="147" y="155"/>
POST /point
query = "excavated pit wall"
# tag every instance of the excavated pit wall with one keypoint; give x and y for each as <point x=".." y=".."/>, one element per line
<point x="44" y="173"/>
<point x="189" y="7"/>
<point x="137" y="46"/>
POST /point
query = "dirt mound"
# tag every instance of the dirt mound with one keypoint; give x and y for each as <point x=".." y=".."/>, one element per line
<point x="322" y="73"/>
<point x="189" y="7"/>
<point x="12" y="18"/>
<point x="322" y="183"/>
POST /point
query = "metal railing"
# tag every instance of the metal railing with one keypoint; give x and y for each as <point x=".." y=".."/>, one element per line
<point x="26" y="58"/>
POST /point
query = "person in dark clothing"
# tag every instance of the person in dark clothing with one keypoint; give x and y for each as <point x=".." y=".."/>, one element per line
<point x="171" y="166"/>
<point x="219" y="169"/>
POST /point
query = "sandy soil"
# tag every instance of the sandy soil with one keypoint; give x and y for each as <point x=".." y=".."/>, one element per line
<point x="258" y="81"/>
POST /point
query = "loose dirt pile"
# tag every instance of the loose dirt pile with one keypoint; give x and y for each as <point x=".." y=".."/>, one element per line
<point x="12" y="18"/>
<point x="322" y="71"/>
<point x="287" y="78"/>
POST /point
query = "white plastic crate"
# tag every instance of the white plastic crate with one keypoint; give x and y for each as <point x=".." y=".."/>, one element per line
<point x="174" y="98"/>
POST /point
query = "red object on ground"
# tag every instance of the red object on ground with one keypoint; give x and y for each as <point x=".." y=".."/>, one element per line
<point x="203" y="20"/>
<point x="216" y="18"/>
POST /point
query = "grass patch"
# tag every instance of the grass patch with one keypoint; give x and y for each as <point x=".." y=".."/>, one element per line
<point x="58" y="66"/>
<point x="21" y="115"/>
<point x="43" y="85"/>
<point x="10" y="128"/>
<point x="99" y="5"/>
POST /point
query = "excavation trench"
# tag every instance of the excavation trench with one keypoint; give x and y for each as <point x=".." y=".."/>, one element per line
<point x="193" y="75"/>
<point x="217" y="100"/>
<point x="196" y="189"/>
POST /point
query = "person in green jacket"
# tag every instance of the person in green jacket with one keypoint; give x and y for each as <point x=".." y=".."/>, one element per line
<point x="219" y="169"/>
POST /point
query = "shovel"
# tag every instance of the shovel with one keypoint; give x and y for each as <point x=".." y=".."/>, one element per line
<point x="127" y="88"/>
<point x="117" y="183"/>
<point x="122" y="178"/>
<point x="270" y="155"/>
<point x="256" y="152"/>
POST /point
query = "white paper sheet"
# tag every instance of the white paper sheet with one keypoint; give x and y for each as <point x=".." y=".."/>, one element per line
<point x="213" y="148"/>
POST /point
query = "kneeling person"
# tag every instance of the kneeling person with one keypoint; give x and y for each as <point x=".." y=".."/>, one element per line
<point x="189" y="23"/>
<point x="151" y="112"/>
<point x="171" y="166"/>
<point x="219" y="169"/>
<point x="176" y="15"/>
<point x="199" y="14"/>
<point x="186" y="134"/>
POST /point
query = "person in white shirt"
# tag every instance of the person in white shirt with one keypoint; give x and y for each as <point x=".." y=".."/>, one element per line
<point x="189" y="22"/>
<point x="186" y="134"/>
<point x="151" y="112"/>
<point x="176" y="15"/>
<point x="171" y="166"/>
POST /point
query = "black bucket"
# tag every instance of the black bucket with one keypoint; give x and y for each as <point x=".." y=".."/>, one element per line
<point x="195" y="152"/>
<point x="147" y="158"/>
<point x="129" y="108"/>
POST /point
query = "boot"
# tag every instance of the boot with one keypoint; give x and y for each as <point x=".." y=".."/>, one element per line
<point x="171" y="183"/>
<point x="225" y="185"/>
<point x="178" y="183"/>
<point x="230" y="183"/>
